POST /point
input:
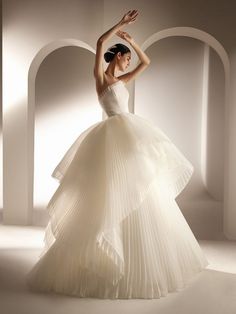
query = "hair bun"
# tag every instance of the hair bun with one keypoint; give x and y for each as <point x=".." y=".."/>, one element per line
<point x="108" y="56"/>
<point x="113" y="50"/>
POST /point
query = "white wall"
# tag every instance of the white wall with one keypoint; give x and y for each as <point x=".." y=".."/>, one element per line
<point x="169" y="93"/>
<point x="28" y="27"/>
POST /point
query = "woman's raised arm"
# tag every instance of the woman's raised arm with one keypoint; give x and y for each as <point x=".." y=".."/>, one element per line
<point x="144" y="60"/>
<point x="128" y="18"/>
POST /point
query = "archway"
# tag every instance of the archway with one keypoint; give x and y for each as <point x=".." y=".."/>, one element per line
<point x="34" y="67"/>
<point x="216" y="45"/>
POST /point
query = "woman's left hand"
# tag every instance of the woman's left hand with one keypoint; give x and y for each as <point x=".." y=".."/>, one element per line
<point x="124" y="35"/>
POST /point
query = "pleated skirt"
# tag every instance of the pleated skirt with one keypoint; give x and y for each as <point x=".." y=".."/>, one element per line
<point x="160" y="256"/>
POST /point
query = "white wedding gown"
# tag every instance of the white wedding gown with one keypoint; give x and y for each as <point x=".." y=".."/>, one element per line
<point x="115" y="229"/>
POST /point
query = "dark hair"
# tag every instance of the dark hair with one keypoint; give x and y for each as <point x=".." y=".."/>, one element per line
<point x="112" y="51"/>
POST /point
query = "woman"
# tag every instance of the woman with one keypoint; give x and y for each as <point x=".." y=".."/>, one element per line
<point x="117" y="61"/>
<point x="115" y="230"/>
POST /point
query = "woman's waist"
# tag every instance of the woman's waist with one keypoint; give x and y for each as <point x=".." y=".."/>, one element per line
<point x="114" y="109"/>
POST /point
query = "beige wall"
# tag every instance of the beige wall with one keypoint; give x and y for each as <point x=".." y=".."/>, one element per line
<point x="1" y="173"/>
<point x="215" y="128"/>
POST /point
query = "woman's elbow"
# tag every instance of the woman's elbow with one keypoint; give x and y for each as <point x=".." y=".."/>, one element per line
<point x="100" y="41"/>
<point x="146" y="62"/>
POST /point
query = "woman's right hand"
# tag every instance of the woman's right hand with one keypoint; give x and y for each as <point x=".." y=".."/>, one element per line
<point x="129" y="17"/>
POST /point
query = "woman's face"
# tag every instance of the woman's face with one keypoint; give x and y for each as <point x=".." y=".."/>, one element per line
<point x="124" y="61"/>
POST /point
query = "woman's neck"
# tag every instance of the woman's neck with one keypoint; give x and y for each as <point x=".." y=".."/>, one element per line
<point x="111" y="70"/>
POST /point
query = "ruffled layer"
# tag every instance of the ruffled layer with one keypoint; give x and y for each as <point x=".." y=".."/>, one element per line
<point x="160" y="252"/>
<point x="116" y="169"/>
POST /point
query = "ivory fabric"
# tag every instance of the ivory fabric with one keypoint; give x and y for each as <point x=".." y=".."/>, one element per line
<point x="115" y="229"/>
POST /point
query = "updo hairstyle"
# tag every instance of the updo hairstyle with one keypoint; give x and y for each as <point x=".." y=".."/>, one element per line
<point x="112" y="51"/>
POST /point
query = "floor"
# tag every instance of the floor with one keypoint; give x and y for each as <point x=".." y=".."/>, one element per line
<point x="212" y="291"/>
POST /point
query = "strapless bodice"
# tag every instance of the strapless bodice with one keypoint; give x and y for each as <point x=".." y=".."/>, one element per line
<point x="114" y="99"/>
